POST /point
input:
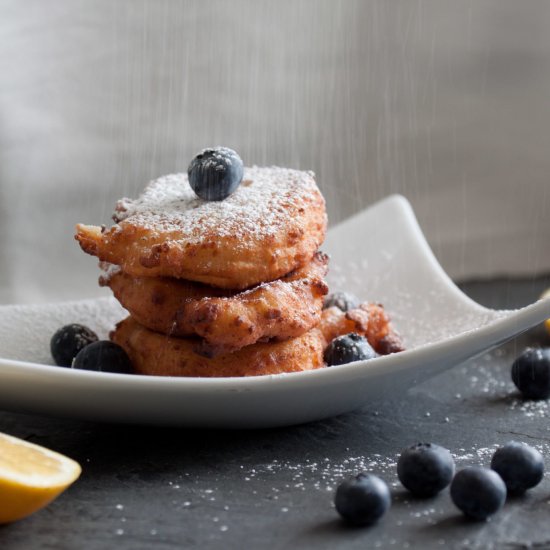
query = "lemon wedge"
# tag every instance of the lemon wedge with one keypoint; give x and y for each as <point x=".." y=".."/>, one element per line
<point x="30" y="477"/>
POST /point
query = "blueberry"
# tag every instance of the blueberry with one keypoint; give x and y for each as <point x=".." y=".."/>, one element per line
<point x="342" y="300"/>
<point x="531" y="373"/>
<point x="215" y="173"/>
<point x="362" y="500"/>
<point x="347" y="348"/>
<point x="68" y="341"/>
<point x="478" y="492"/>
<point x="103" y="356"/>
<point x="425" y="469"/>
<point x="519" y="465"/>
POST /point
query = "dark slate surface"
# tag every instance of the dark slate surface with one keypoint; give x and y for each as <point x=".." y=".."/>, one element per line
<point x="146" y="488"/>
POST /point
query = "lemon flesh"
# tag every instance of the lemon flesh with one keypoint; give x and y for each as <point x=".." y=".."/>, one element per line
<point x="30" y="477"/>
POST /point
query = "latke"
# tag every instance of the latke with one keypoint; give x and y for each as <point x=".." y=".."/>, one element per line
<point x="152" y="353"/>
<point x="272" y="224"/>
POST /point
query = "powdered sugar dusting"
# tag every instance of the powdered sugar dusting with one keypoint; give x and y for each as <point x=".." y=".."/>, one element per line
<point x="25" y="331"/>
<point x="218" y="158"/>
<point x="108" y="271"/>
<point x="268" y="200"/>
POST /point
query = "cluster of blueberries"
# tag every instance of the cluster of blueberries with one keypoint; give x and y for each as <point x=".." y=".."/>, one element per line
<point x="79" y="347"/>
<point x="426" y="469"/>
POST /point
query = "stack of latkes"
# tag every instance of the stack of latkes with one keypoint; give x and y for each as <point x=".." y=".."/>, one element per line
<point x="231" y="287"/>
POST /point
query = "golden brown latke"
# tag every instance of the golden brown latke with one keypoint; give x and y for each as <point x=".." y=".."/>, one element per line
<point x="227" y="321"/>
<point x="369" y="320"/>
<point x="272" y="224"/>
<point x="156" y="354"/>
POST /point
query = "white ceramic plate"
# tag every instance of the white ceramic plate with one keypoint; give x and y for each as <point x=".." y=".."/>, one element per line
<point x="380" y="255"/>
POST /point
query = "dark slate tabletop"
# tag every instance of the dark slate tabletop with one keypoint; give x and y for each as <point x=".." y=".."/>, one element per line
<point x="148" y="488"/>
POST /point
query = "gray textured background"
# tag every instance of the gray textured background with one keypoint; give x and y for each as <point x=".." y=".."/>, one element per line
<point x="446" y="102"/>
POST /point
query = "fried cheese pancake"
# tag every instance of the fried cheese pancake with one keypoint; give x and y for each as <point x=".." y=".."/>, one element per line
<point x="153" y="353"/>
<point x="226" y="320"/>
<point x="271" y="225"/>
<point x="369" y="320"/>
